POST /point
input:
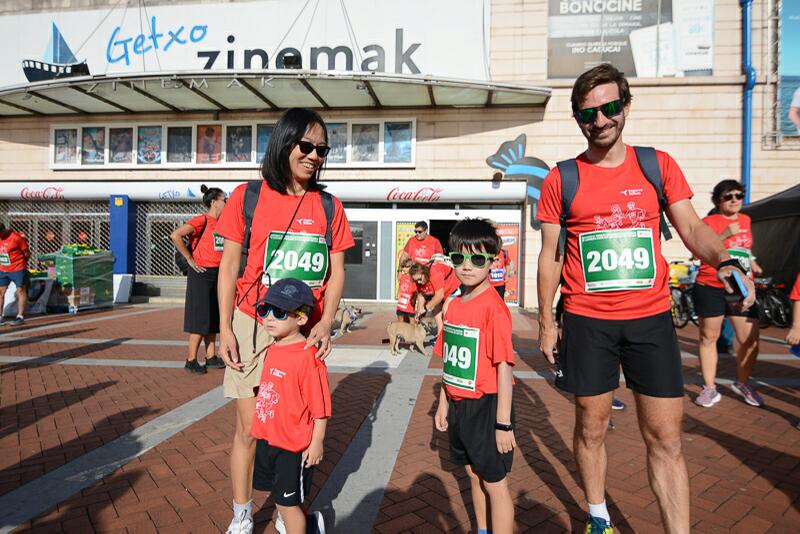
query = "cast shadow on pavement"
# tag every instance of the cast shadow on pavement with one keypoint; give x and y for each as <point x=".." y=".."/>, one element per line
<point x="66" y="354"/>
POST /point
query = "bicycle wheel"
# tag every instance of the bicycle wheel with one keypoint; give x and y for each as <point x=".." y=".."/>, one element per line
<point x="688" y="301"/>
<point x="781" y="312"/>
<point x="680" y="316"/>
<point x="764" y="310"/>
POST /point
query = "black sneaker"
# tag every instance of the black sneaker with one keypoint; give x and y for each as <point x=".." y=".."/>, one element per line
<point x="193" y="367"/>
<point x="215" y="362"/>
<point x="17" y="321"/>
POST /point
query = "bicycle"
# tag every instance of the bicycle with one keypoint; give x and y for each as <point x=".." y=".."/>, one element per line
<point x="774" y="307"/>
<point x="681" y="282"/>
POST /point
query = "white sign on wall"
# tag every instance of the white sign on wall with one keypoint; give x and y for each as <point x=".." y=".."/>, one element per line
<point x="357" y="35"/>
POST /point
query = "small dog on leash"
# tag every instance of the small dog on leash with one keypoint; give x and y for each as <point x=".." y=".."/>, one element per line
<point x="412" y="334"/>
<point x="349" y="316"/>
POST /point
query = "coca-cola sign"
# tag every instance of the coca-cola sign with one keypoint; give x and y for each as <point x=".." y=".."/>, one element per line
<point x="423" y="194"/>
<point x="47" y="193"/>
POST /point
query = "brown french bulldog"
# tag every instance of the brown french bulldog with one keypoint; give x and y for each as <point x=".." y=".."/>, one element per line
<point x="412" y="334"/>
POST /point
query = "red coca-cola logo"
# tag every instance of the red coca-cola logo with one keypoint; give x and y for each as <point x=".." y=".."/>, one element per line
<point x="48" y="193"/>
<point x="423" y="194"/>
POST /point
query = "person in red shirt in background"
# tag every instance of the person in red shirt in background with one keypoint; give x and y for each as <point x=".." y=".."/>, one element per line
<point x="14" y="255"/>
<point x="733" y="228"/>
<point x="793" y="336"/>
<point x="435" y="283"/>
<point x="406" y="292"/>
<point x="422" y="246"/>
<point x="499" y="273"/>
<point x="616" y="296"/>
<point x="201" y="308"/>
<point x="475" y="407"/>
<point x="292" y="407"/>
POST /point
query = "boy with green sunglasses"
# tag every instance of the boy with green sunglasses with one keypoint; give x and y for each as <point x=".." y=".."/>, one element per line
<point x="475" y="401"/>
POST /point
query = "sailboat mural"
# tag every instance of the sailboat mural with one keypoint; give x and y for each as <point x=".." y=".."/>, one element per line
<point x="59" y="61"/>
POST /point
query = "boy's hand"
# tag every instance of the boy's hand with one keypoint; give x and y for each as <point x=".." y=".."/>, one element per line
<point x="440" y="419"/>
<point x="313" y="454"/>
<point x="505" y="441"/>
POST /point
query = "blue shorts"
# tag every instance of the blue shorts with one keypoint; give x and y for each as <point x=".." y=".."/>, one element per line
<point x="20" y="278"/>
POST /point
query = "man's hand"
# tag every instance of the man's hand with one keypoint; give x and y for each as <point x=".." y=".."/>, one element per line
<point x="313" y="454"/>
<point x="440" y="419"/>
<point x="229" y="349"/>
<point x="505" y="441"/>
<point x="548" y="338"/>
<point x="724" y="276"/>
<point x="321" y="336"/>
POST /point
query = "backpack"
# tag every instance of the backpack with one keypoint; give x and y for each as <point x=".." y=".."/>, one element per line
<point x="251" y="194"/>
<point x="646" y="158"/>
<point x="180" y="261"/>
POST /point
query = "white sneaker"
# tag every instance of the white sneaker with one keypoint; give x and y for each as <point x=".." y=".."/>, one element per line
<point x="280" y="526"/>
<point x="315" y="523"/>
<point x="241" y="525"/>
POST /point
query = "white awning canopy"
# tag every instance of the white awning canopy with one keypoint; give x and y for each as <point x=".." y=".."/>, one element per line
<point x="229" y="91"/>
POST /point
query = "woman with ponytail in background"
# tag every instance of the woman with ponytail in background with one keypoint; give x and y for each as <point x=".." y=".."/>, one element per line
<point x="201" y="311"/>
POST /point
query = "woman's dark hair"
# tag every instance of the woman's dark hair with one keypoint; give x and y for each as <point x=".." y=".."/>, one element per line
<point x="210" y="194"/>
<point x="599" y="75"/>
<point x="290" y="129"/>
<point x="418" y="268"/>
<point x="473" y="235"/>
<point x="725" y="186"/>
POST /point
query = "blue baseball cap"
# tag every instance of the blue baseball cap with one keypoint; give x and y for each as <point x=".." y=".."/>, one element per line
<point x="289" y="294"/>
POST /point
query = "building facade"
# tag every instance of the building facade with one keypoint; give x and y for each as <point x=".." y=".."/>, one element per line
<point x="435" y="111"/>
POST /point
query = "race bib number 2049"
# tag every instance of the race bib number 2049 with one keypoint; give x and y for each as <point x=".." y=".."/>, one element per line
<point x="297" y="255"/>
<point x="618" y="260"/>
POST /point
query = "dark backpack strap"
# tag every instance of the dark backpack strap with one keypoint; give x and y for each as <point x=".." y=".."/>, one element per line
<point x="646" y="156"/>
<point x="329" y="208"/>
<point x="569" y="187"/>
<point x="251" y="194"/>
<point x="203" y="231"/>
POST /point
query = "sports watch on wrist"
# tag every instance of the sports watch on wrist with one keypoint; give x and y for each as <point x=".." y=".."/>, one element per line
<point x="732" y="262"/>
<point x="502" y="426"/>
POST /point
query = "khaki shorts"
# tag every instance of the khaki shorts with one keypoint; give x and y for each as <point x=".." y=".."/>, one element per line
<point x="242" y="384"/>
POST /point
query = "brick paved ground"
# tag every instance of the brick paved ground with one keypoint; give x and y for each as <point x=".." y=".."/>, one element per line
<point x="744" y="462"/>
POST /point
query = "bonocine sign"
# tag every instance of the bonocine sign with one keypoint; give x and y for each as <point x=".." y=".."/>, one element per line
<point x="405" y="37"/>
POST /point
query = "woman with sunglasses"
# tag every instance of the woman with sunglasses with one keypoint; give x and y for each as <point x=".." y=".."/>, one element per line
<point x="287" y="240"/>
<point x="733" y="228"/>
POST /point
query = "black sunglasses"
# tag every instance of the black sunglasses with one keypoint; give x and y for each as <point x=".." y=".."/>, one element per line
<point x="609" y="109"/>
<point x="730" y="196"/>
<point x="479" y="259"/>
<point x="306" y="148"/>
<point x="263" y="309"/>
<point x="419" y="231"/>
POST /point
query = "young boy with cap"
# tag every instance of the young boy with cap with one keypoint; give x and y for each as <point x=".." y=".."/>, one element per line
<point x="292" y="406"/>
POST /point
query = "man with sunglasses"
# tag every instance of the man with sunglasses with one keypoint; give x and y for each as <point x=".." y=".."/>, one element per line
<point x="422" y="246"/>
<point x="616" y="295"/>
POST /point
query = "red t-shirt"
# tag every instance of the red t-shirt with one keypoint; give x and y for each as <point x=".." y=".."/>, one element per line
<point x="293" y="392"/>
<point x="421" y="251"/>
<point x="497" y="274"/>
<point x="12" y="253"/>
<point x="272" y="214"/>
<point x="206" y="243"/>
<point x="743" y="241"/>
<point x="443" y="276"/>
<point x="405" y="293"/>
<point x="489" y="314"/>
<point x="795" y="295"/>
<point x="610" y="199"/>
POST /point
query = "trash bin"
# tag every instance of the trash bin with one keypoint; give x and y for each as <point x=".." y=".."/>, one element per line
<point x="84" y="278"/>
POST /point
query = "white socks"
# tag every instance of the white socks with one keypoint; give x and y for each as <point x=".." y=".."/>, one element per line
<point x="599" y="510"/>
<point x="240" y="511"/>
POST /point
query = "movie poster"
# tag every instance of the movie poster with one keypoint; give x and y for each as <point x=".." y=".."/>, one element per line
<point x="365" y="142"/>
<point x="93" y="146"/>
<point x="397" y="142"/>
<point x="238" y="143"/>
<point x="65" y="146"/>
<point x="263" y="133"/>
<point x="120" y="145"/>
<point x="789" y="70"/>
<point x="209" y="143"/>
<point x="337" y="139"/>
<point x="634" y="35"/>
<point x="148" y="145"/>
<point x="509" y="233"/>
<point x="179" y="144"/>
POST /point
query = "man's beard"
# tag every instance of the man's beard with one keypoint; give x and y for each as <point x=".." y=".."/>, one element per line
<point x="605" y="142"/>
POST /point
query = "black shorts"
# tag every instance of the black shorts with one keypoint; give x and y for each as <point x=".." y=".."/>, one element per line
<point x="710" y="302"/>
<point x="201" y="310"/>
<point x="281" y="472"/>
<point x="470" y="427"/>
<point x="592" y="351"/>
<point x="401" y="313"/>
<point x="501" y="290"/>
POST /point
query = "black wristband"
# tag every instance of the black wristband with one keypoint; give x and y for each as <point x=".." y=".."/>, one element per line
<point x="732" y="262"/>
<point x="501" y="426"/>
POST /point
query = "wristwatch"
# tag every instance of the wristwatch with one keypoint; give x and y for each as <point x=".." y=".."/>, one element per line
<point x="503" y="426"/>
<point x="732" y="262"/>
